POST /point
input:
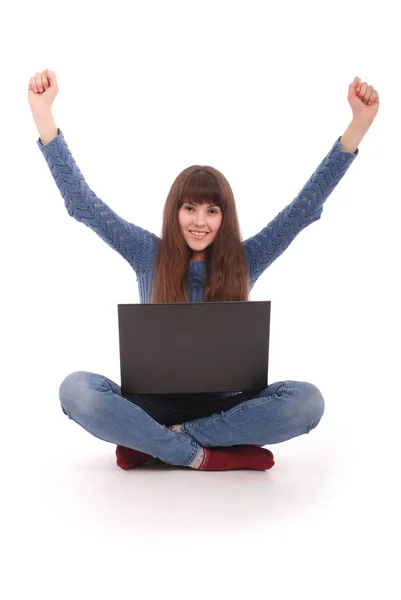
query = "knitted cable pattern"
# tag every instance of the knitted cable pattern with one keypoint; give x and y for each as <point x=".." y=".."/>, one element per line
<point x="262" y="249"/>
<point x="139" y="246"/>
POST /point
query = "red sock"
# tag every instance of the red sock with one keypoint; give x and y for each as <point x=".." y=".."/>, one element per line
<point x="127" y="458"/>
<point x="236" y="457"/>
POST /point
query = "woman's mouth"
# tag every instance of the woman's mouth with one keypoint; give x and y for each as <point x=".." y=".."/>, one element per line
<point x="198" y="236"/>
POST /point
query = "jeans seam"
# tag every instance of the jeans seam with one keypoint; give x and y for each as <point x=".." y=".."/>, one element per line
<point x="101" y="382"/>
<point x="254" y="402"/>
<point x="195" y="446"/>
<point x="193" y="454"/>
<point x="160" y="426"/>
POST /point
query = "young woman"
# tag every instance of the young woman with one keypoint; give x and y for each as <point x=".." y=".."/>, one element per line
<point x="199" y="258"/>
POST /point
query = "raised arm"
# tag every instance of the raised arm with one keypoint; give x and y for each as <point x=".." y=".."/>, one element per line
<point x="138" y="246"/>
<point x="267" y="245"/>
<point x="263" y="248"/>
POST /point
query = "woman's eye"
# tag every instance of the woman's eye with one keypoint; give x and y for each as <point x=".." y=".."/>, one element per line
<point x="213" y="210"/>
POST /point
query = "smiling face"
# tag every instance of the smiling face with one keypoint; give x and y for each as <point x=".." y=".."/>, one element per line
<point x="205" y="218"/>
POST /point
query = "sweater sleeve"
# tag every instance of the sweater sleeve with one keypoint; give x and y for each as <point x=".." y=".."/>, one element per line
<point x="263" y="248"/>
<point x="138" y="246"/>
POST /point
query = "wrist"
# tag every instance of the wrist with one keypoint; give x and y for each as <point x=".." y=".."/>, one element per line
<point x="354" y="133"/>
<point x="362" y="122"/>
<point x="46" y="126"/>
<point x="42" y="114"/>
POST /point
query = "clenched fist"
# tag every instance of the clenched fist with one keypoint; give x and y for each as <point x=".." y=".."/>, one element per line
<point x="42" y="91"/>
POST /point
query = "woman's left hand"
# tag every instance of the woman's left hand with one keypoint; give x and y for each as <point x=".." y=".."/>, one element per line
<point x="363" y="100"/>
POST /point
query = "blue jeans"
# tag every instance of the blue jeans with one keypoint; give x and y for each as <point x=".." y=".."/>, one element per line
<point x="280" y="412"/>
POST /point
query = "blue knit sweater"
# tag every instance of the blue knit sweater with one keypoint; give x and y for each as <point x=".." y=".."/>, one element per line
<point x="139" y="246"/>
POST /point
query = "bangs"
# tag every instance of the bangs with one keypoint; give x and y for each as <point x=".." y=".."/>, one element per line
<point x="200" y="188"/>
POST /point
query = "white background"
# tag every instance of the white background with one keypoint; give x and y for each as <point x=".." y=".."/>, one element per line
<point x="259" y="91"/>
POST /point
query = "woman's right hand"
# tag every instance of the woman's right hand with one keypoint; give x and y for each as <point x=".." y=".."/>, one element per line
<point x="42" y="91"/>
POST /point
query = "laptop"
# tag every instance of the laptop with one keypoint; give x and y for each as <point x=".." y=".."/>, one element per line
<point x="194" y="347"/>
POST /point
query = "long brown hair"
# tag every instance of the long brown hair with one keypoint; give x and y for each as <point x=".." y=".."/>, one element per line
<point x="226" y="267"/>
